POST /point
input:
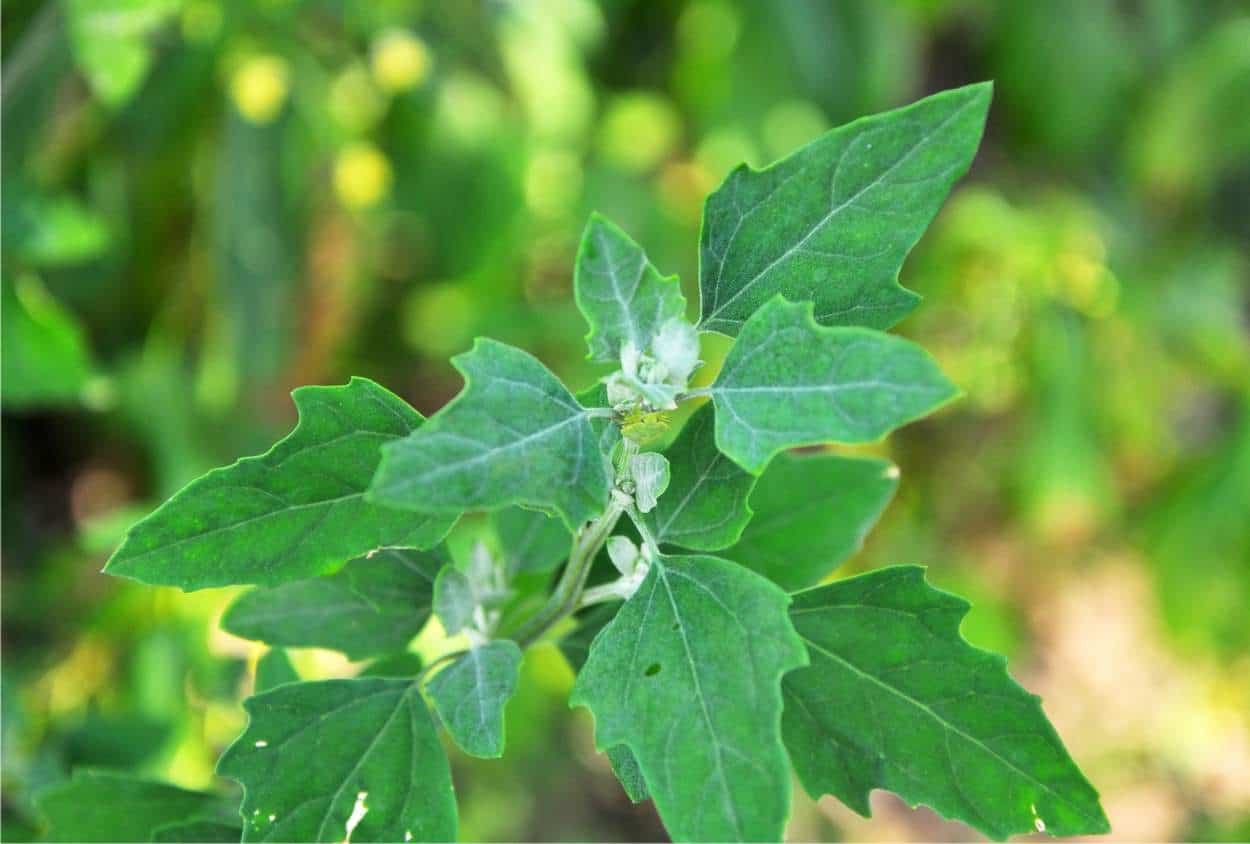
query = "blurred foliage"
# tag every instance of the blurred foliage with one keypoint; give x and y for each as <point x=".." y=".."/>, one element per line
<point x="209" y="202"/>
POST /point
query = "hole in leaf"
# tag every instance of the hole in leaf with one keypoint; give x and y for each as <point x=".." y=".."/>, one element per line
<point x="652" y="669"/>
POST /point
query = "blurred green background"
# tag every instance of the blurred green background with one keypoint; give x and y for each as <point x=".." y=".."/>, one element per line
<point x="209" y="202"/>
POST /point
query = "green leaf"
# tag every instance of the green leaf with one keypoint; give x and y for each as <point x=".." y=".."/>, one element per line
<point x="514" y="435"/>
<point x="576" y="647"/>
<point x="896" y="699"/>
<point x="104" y="806"/>
<point x="811" y="513"/>
<point x="705" y="507"/>
<point x="43" y="354"/>
<point x="274" y="669"/>
<point x="109" y="40"/>
<point x="374" y="605"/>
<point x="471" y="693"/>
<point x="532" y="542"/>
<point x="687" y="675"/>
<point x="623" y="297"/>
<point x="316" y="755"/>
<point x="454" y="600"/>
<point x="192" y="832"/>
<point x="404" y="664"/>
<point x="651" y="475"/>
<point x="297" y="511"/>
<point x="832" y="223"/>
<point x="789" y="382"/>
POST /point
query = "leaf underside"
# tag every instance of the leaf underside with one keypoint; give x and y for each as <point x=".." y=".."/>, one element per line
<point x="514" y="435"/>
<point x="470" y="696"/>
<point x="532" y="541"/>
<point x="295" y="512"/>
<point x="311" y="750"/>
<point x="692" y="688"/>
<point x="895" y="698"/>
<point x="833" y="222"/>
<point x="789" y="382"/>
<point x="373" y="606"/>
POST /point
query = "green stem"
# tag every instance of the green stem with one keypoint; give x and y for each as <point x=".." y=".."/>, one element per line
<point x="566" y="597"/>
<point x="648" y="537"/>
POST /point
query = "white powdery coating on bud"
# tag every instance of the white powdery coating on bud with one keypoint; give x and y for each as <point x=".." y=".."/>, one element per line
<point x="623" y="553"/>
<point x="676" y="350"/>
<point x="630" y="355"/>
<point x="650" y="472"/>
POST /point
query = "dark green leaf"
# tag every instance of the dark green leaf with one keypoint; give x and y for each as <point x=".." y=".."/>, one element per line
<point x="471" y="693"/>
<point x="687" y="675"/>
<point x="531" y="541"/>
<point x="811" y="513"/>
<point x="789" y="382"/>
<point x="192" y="832"/>
<point x="374" y="605"/>
<point x="316" y="755"/>
<point x="103" y="806"/>
<point x="832" y="223"/>
<point x="705" y="507"/>
<point x="43" y="355"/>
<point x="274" y="669"/>
<point x="514" y="435"/>
<point x="295" y="512"/>
<point x="896" y="699"/>
<point x="396" y="665"/>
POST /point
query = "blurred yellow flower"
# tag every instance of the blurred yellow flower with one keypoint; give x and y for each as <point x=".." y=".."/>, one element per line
<point x="259" y="87"/>
<point x="362" y="175"/>
<point x="401" y="61"/>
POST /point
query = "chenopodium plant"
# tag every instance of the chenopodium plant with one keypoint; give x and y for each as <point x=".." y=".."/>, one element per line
<point x="713" y="658"/>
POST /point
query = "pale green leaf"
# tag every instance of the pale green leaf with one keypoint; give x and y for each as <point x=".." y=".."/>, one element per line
<point x="651" y="474"/>
<point x="297" y="511"/>
<point x="531" y="541"/>
<point x="811" y="513"/>
<point x="315" y="755"/>
<point x="454" y="600"/>
<point x="789" y="382"/>
<point x="833" y="223"/>
<point x="705" y="507"/>
<point x="374" y="605"/>
<point x="687" y="675"/>
<point x="273" y="670"/>
<point x="623" y="297"/>
<point x="106" y="806"/>
<point x="896" y="699"/>
<point x="471" y="693"/>
<point x="514" y="435"/>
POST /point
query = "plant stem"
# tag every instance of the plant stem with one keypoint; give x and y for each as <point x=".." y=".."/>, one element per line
<point x="648" y="537"/>
<point x="566" y="597"/>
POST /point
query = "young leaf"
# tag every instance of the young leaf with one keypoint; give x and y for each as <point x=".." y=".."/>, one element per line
<point x="687" y="676"/>
<point x="705" y="506"/>
<point x="651" y="474"/>
<point x="297" y="511"/>
<point x="454" y="600"/>
<point x="342" y="759"/>
<point x="811" y="513"/>
<point x="471" y="693"/>
<point x="104" y="806"/>
<point x="514" y="435"/>
<point x="832" y="223"/>
<point x="623" y="297"/>
<point x="198" y="832"/>
<point x="896" y="699"/>
<point x="789" y="382"/>
<point x="374" y="605"/>
<point x="274" y="669"/>
<point x="576" y="647"/>
<point x="532" y="541"/>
